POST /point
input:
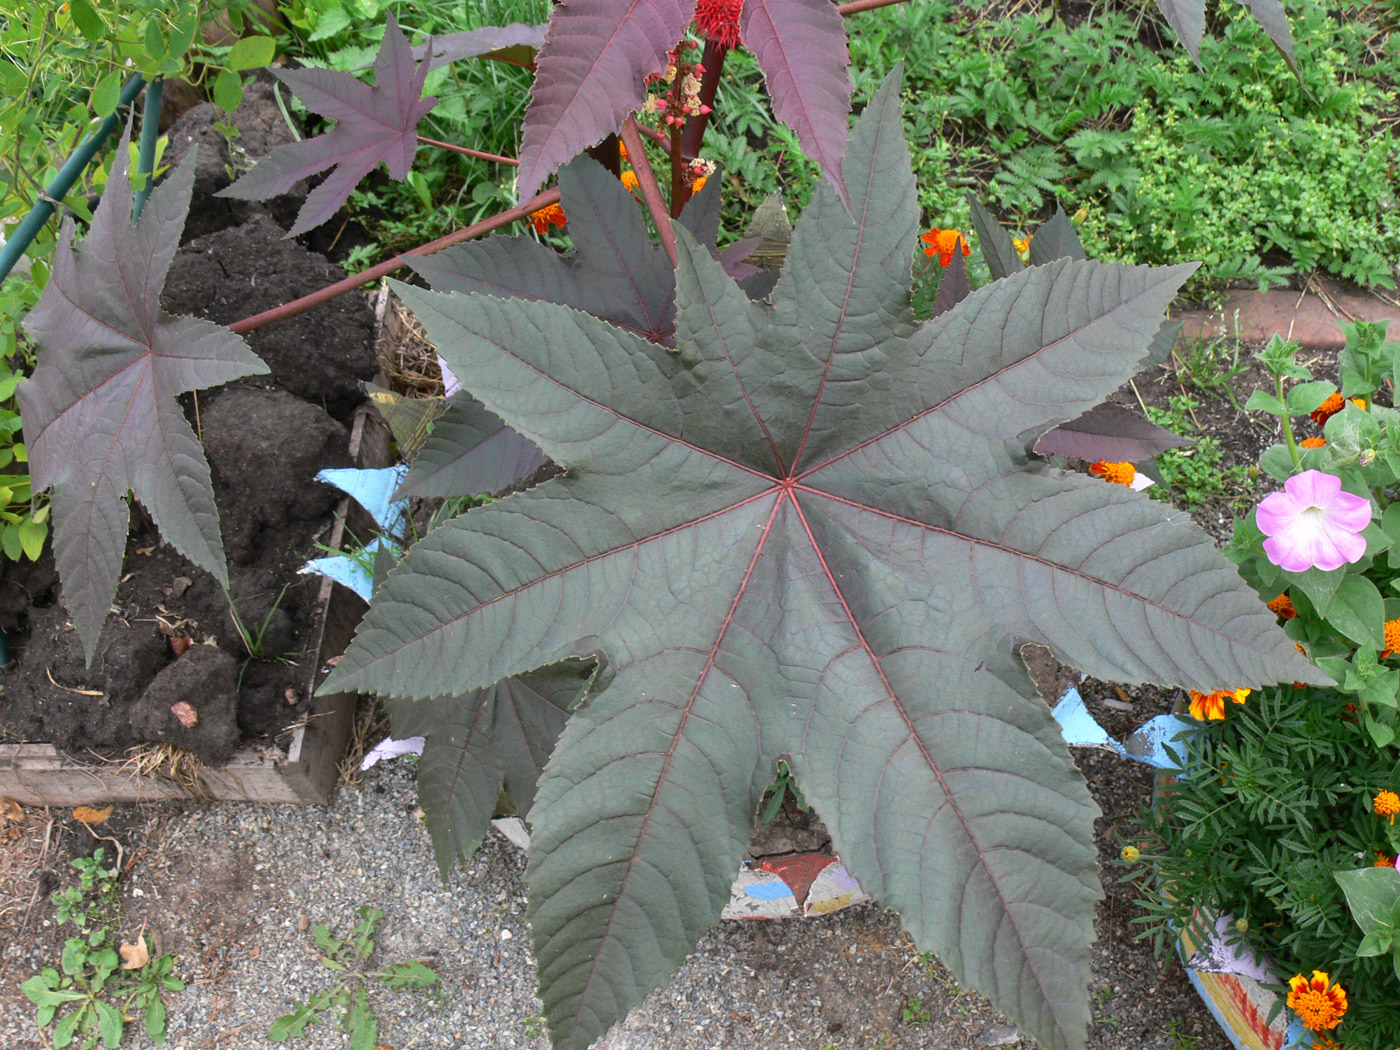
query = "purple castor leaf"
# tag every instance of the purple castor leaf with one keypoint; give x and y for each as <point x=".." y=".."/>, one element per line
<point x="100" y="411"/>
<point x="373" y="124"/>
<point x="815" y="530"/>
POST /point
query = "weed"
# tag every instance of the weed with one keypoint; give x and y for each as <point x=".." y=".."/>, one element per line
<point x="1180" y="1041"/>
<point x="534" y="1026"/>
<point x="783" y="785"/>
<point x="1210" y="366"/>
<point x="916" y="1013"/>
<point x="98" y="989"/>
<point x="350" y="958"/>
<point x="1196" y="475"/>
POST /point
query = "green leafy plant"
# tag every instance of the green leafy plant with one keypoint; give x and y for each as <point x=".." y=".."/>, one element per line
<point x="350" y="957"/>
<point x="1281" y="808"/>
<point x="97" y="990"/>
<point x="915" y="1013"/>
<point x="1195" y="475"/>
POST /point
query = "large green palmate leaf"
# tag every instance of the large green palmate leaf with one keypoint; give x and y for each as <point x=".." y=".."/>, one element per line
<point x="482" y="742"/>
<point x="815" y="530"/>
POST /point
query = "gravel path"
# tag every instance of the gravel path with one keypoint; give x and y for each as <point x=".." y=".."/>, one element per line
<point x="230" y="887"/>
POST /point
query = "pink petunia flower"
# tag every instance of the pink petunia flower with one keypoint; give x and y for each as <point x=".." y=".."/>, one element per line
<point x="1312" y="523"/>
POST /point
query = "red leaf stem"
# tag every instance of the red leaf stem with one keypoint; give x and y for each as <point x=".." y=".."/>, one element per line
<point x="388" y="266"/>
<point x="646" y="182"/>
<point x="467" y="151"/>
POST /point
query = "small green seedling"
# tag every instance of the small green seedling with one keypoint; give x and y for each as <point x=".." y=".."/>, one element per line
<point x="350" y="998"/>
<point x="97" y="990"/>
<point x="916" y="1013"/>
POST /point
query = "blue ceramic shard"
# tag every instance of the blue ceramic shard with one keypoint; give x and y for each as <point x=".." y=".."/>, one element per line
<point x="373" y="490"/>
<point x="351" y="572"/>
<point x="1149" y="743"/>
<point x="1078" y="725"/>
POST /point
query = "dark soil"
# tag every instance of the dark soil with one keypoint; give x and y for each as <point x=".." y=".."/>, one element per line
<point x="265" y="438"/>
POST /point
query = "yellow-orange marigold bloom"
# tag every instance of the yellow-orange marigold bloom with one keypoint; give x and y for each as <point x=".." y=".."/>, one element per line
<point x="622" y="149"/>
<point x="1329" y="408"/>
<point x="1383" y="860"/>
<point x="1022" y="245"/>
<point x="943" y="243"/>
<point x="1210" y="707"/>
<point x="1118" y="473"/>
<point x="629" y="179"/>
<point x="542" y="220"/>
<point x="1283" y="606"/>
<point x="1312" y="442"/>
<point x="1359" y="402"/>
<point x="1386" y="804"/>
<point x="698" y="185"/>
<point x="1319" y="1003"/>
<point x="1392" y="637"/>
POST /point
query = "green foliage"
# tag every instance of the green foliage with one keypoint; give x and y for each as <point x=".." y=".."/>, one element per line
<point x="1195" y="475"/>
<point x="350" y="958"/>
<point x="1277" y="800"/>
<point x="1229" y="162"/>
<point x="916" y="1014"/>
<point x="1273" y="821"/>
<point x="92" y="996"/>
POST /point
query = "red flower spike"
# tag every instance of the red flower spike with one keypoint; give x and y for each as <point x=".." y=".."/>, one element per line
<point x="719" y="20"/>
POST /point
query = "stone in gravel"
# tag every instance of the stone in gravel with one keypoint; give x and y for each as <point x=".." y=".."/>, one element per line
<point x="998" y="1035"/>
<point x="206" y="680"/>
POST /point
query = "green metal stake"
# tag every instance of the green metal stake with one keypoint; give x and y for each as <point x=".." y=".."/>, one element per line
<point x="56" y="190"/>
<point x="150" y="132"/>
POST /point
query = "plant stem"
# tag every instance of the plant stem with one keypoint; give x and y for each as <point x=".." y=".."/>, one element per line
<point x="150" y="133"/>
<point x="713" y="60"/>
<point x="646" y="182"/>
<point x="468" y="152"/>
<point x="1287" y="425"/>
<point x="56" y="190"/>
<point x="388" y="266"/>
<point x="679" y="192"/>
<point x="857" y="6"/>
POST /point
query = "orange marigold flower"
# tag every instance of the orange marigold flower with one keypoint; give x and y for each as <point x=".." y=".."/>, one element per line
<point x="1312" y="442"/>
<point x="622" y="149"/>
<point x="1386" y="804"/>
<point x="1210" y="707"/>
<point x="1118" y="473"/>
<point x="629" y="179"/>
<point x="1021" y="244"/>
<point x="1383" y="860"/>
<point x="1319" y="1003"/>
<point x="1392" y="637"/>
<point x="542" y="220"/>
<point x="1329" y="408"/>
<point x="1359" y="402"/>
<point x="719" y="20"/>
<point x="698" y="185"/>
<point x="944" y="243"/>
<point x="1283" y="606"/>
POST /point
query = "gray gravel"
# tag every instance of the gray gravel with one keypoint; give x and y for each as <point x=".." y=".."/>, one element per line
<point x="227" y="886"/>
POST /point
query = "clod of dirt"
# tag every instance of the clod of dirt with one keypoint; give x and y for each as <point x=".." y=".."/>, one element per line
<point x="205" y="679"/>
<point x="265" y="448"/>
<point x="321" y="355"/>
<point x="261" y="129"/>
